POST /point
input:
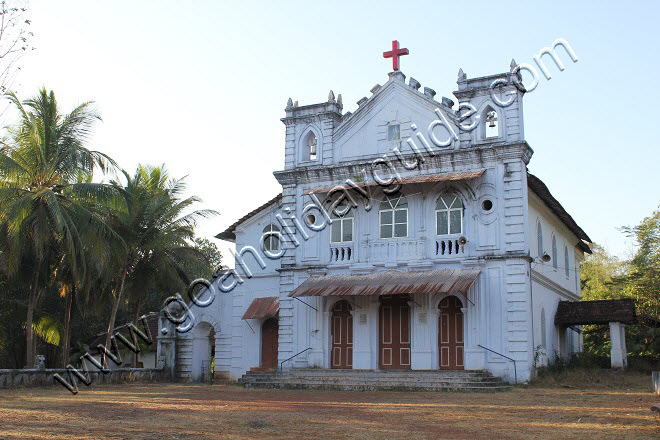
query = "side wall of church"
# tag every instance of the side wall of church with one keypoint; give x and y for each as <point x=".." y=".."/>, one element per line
<point x="553" y="281"/>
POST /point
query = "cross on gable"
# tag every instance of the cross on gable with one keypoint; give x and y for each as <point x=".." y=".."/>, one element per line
<point x="395" y="53"/>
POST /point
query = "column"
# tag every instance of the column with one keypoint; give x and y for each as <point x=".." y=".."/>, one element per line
<point x="617" y="340"/>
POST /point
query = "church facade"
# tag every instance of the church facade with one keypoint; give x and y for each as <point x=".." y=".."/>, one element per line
<point x="409" y="235"/>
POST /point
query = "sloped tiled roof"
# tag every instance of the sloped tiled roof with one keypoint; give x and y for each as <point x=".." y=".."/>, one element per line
<point x="229" y="234"/>
<point x="543" y="193"/>
<point x="595" y="312"/>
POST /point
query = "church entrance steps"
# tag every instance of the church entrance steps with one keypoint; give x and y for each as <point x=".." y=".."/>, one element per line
<point x="372" y="380"/>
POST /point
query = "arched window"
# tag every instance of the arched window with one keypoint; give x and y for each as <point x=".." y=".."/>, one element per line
<point x="566" y="269"/>
<point x="539" y="239"/>
<point x="271" y="238"/>
<point x="554" y="251"/>
<point x="490" y="124"/>
<point x="394" y="217"/>
<point x="492" y="130"/>
<point x="341" y="225"/>
<point x="311" y="146"/>
<point x="449" y="215"/>
<point x="544" y="342"/>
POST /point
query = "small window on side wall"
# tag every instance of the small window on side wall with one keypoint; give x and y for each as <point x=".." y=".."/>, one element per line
<point x="393" y="132"/>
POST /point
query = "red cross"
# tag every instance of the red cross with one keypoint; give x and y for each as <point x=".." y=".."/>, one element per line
<point x="395" y="53"/>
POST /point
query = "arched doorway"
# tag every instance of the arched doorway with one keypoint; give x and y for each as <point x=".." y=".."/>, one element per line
<point x="450" y="334"/>
<point x="394" y="334"/>
<point x="203" y="352"/>
<point x="269" y="336"/>
<point x="342" y="335"/>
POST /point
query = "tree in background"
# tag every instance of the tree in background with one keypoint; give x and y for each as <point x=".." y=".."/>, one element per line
<point x="158" y="231"/>
<point x="212" y="254"/>
<point x="45" y="211"/>
<point x="15" y="38"/>
<point x="603" y="276"/>
<point x="642" y="283"/>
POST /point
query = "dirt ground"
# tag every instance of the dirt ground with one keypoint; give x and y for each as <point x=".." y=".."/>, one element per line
<point x="176" y="411"/>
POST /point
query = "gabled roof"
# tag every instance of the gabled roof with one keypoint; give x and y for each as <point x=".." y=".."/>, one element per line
<point x="543" y="193"/>
<point x="229" y="234"/>
<point x="596" y="312"/>
<point x="397" y="79"/>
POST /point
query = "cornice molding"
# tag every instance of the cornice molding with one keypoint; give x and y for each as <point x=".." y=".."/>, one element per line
<point x="548" y="283"/>
<point x="466" y="159"/>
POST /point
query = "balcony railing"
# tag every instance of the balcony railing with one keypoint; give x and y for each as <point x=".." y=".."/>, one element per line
<point x="395" y="250"/>
<point x="341" y="253"/>
<point x="449" y="248"/>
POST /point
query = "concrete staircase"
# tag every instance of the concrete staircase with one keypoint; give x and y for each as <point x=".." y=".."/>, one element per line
<point x="375" y="380"/>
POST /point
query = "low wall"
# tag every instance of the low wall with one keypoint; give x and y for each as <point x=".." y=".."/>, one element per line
<point x="44" y="377"/>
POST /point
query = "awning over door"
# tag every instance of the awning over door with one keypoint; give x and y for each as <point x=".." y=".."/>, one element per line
<point x="389" y="283"/>
<point x="263" y="308"/>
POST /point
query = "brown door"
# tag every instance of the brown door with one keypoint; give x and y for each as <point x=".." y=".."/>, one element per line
<point x="450" y="334"/>
<point x="342" y="335"/>
<point x="269" y="331"/>
<point x="394" y="335"/>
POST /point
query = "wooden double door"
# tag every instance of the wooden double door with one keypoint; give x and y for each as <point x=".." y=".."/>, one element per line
<point x="450" y="334"/>
<point x="394" y="334"/>
<point x="269" y="337"/>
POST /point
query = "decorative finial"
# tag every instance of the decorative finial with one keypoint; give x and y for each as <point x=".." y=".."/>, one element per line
<point x="461" y="75"/>
<point x="412" y="82"/>
<point x="447" y="102"/>
<point x="513" y="64"/>
<point x="429" y="92"/>
<point x="289" y="104"/>
<point x="331" y="96"/>
<point x="339" y="101"/>
<point x="295" y="104"/>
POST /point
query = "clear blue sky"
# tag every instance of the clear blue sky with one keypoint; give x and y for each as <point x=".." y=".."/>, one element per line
<point x="201" y="86"/>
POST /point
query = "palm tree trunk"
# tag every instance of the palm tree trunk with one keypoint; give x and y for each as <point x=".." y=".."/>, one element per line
<point x="66" y="345"/>
<point x="113" y="315"/>
<point x="136" y="316"/>
<point x="29" y="334"/>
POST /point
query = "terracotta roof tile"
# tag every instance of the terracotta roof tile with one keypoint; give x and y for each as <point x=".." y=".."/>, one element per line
<point x="595" y="312"/>
<point x="229" y="234"/>
<point x="542" y="191"/>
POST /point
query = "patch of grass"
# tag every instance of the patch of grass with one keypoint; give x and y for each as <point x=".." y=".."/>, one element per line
<point x="584" y="370"/>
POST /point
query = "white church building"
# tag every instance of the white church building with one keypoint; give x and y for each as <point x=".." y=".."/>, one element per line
<point x="409" y="235"/>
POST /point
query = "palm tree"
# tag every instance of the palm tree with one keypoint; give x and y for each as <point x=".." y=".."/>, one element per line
<point x="158" y="232"/>
<point x="43" y="205"/>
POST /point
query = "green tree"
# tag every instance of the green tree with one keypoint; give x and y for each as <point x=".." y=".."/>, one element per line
<point x="44" y="209"/>
<point x="157" y="228"/>
<point x="597" y="272"/>
<point x="603" y="276"/>
<point x="642" y="283"/>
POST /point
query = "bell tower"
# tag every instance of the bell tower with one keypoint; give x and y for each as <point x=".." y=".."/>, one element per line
<point x="309" y="132"/>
